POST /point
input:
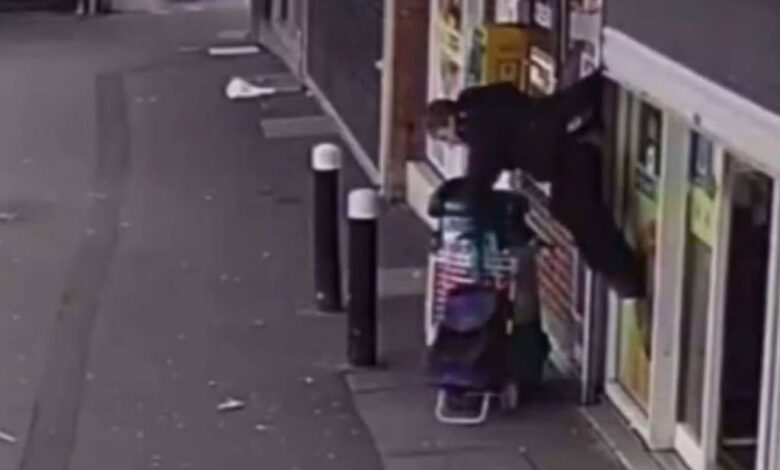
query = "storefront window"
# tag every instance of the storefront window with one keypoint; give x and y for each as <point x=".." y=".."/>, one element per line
<point x="635" y="319"/>
<point x="700" y="234"/>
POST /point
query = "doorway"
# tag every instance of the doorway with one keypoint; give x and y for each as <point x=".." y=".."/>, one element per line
<point x="745" y="314"/>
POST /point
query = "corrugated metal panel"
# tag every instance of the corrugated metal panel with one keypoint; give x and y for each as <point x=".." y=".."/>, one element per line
<point x="732" y="42"/>
<point x="345" y="43"/>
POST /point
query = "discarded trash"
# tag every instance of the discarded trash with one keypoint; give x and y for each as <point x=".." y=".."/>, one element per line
<point x="208" y="197"/>
<point x="8" y="217"/>
<point x="7" y="438"/>
<point x="231" y="404"/>
<point x="266" y="254"/>
<point x="308" y="380"/>
<point x="213" y="384"/>
<point x="234" y="50"/>
<point x="259" y="323"/>
<point x="262" y="427"/>
<point x="238" y="88"/>
<point x="224" y="278"/>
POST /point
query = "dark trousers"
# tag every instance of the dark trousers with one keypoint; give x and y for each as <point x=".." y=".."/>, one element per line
<point x="577" y="204"/>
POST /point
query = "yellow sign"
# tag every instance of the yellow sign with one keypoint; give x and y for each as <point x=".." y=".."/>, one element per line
<point x="702" y="216"/>
<point x="451" y="41"/>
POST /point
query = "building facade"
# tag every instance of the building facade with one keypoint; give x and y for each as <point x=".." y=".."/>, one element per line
<point x="691" y="162"/>
<point x="696" y="162"/>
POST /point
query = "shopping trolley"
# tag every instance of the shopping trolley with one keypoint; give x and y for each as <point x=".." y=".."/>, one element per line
<point x="468" y="324"/>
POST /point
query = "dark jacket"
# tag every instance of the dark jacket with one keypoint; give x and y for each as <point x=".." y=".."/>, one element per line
<point x="507" y="129"/>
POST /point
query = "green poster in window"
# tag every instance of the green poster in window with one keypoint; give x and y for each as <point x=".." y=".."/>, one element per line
<point x="702" y="215"/>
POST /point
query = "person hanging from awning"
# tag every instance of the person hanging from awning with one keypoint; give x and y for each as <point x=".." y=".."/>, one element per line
<point x="505" y="129"/>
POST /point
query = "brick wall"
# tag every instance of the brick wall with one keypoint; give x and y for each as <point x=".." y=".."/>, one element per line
<point x="345" y="42"/>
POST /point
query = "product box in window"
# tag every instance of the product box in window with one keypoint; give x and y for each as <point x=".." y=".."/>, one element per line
<point x="500" y="54"/>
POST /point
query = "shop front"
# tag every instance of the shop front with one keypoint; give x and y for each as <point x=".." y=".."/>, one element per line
<point x="694" y="366"/>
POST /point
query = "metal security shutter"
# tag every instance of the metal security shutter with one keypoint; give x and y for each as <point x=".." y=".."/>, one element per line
<point x="345" y="43"/>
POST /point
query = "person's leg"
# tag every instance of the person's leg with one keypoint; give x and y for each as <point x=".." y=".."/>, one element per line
<point x="582" y="99"/>
<point x="577" y="204"/>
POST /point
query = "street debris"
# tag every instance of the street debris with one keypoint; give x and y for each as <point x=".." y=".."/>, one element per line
<point x="266" y="254"/>
<point x="260" y="427"/>
<point x="212" y="384"/>
<point x="7" y="438"/>
<point x="308" y="380"/>
<point x="231" y="404"/>
<point x="225" y="51"/>
<point x="224" y="277"/>
<point x="258" y="323"/>
<point x="8" y="217"/>
<point x="208" y="197"/>
<point x="241" y="88"/>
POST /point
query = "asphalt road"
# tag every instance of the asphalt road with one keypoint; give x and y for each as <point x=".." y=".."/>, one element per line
<point x="159" y="262"/>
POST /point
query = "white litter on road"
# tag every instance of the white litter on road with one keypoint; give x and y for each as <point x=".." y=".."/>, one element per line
<point x="221" y="51"/>
<point x="8" y="217"/>
<point x="262" y="427"/>
<point x="308" y="380"/>
<point x="258" y="323"/>
<point x="231" y="404"/>
<point x="241" y="88"/>
<point x="7" y="438"/>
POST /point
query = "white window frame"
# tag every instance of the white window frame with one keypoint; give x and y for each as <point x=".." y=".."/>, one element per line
<point x="768" y="452"/>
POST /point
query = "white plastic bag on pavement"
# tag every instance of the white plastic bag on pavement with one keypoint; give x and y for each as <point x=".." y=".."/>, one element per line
<point x="240" y="88"/>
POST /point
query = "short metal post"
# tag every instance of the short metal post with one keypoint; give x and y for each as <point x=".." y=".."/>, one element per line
<point x="326" y="163"/>
<point x="362" y="280"/>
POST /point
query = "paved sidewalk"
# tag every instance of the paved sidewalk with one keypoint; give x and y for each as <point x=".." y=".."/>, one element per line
<point x="397" y="405"/>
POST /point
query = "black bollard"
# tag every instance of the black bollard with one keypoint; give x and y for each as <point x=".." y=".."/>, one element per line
<point x="362" y="281"/>
<point x="326" y="163"/>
